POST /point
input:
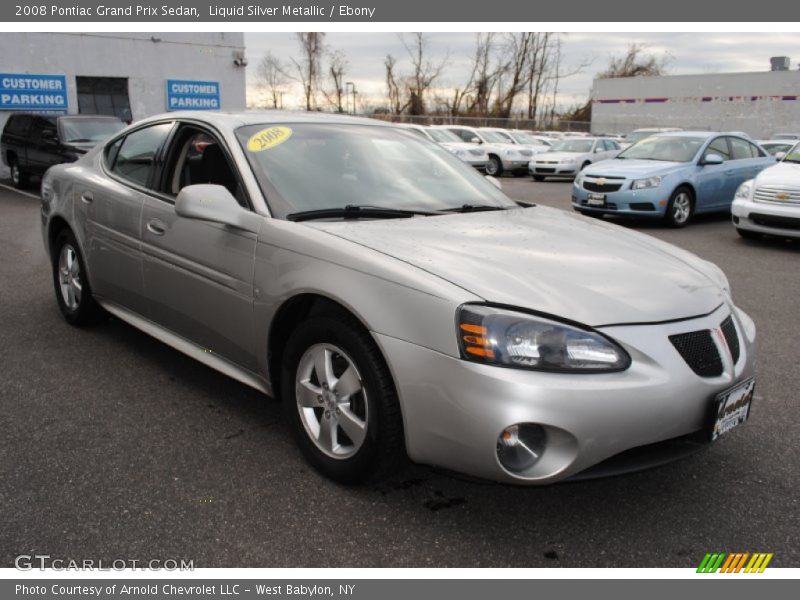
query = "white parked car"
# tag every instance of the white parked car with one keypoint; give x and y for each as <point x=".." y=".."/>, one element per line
<point x="775" y="147"/>
<point x="474" y="156"/>
<point x="569" y="156"/>
<point x="503" y="155"/>
<point x="526" y="139"/>
<point x="770" y="203"/>
<point x="639" y="134"/>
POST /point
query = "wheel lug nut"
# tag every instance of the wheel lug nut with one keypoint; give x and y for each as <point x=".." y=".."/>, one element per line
<point x="319" y="399"/>
<point x="327" y="414"/>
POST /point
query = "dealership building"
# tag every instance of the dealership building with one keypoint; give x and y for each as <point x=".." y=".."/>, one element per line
<point x="130" y="75"/>
<point x="758" y="103"/>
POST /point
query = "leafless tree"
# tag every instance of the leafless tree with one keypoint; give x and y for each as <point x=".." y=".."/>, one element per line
<point x="424" y="72"/>
<point x="394" y="91"/>
<point x="636" y="61"/>
<point x="336" y="69"/>
<point x="271" y="78"/>
<point x="307" y="69"/>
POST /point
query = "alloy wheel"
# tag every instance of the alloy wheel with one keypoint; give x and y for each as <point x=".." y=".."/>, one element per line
<point x="681" y="208"/>
<point x="15" y="175"/>
<point x="331" y="400"/>
<point x="69" y="277"/>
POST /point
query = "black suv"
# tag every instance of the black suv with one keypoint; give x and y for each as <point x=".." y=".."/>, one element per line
<point x="32" y="143"/>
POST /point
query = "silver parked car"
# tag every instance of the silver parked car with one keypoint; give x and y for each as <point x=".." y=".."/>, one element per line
<point x="396" y="301"/>
<point x="568" y="157"/>
<point x="473" y="155"/>
<point x="504" y="154"/>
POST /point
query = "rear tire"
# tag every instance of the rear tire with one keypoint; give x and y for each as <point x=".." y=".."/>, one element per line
<point x="19" y="177"/>
<point x="347" y="420"/>
<point x="680" y="207"/>
<point x="73" y="292"/>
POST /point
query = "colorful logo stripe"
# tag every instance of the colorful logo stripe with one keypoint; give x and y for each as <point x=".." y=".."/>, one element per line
<point x="734" y="562"/>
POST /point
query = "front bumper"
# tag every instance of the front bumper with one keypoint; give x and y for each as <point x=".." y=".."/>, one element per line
<point x="646" y="202"/>
<point x="553" y="170"/>
<point x="514" y="164"/>
<point x="454" y="410"/>
<point x="770" y="218"/>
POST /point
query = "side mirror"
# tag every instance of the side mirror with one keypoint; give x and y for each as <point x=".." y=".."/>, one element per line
<point x="713" y="159"/>
<point x="50" y="136"/>
<point x="214" y="203"/>
<point x="495" y="182"/>
<point x="475" y="140"/>
<point x="780" y="155"/>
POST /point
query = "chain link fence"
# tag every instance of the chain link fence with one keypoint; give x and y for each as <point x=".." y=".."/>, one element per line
<point x="504" y="123"/>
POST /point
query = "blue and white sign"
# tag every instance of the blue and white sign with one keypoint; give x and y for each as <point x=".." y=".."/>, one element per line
<point x="22" y="91"/>
<point x="192" y="95"/>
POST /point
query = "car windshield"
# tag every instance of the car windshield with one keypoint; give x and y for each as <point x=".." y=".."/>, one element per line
<point x="635" y="136"/>
<point x="793" y="156"/>
<point x="496" y="137"/>
<point x="572" y="146"/>
<point x="85" y="130"/>
<point x="443" y="136"/>
<point x="524" y="138"/>
<point x="775" y="147"/>
<point x="314" y="166"/>
<point x="665" y="148"/>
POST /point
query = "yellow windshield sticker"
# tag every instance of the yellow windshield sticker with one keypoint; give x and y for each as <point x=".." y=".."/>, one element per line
<point x="268" y="138"/>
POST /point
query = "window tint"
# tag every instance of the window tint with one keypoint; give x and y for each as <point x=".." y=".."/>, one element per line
<point x="43" y="127"/>
<point x="135" y="158"/>
<point x="112" y="151"/>
<point x="719" y="146"/>
<point x="742" y="149"/>
<point x="464" y="134"/>
<point x="18" y="124"/>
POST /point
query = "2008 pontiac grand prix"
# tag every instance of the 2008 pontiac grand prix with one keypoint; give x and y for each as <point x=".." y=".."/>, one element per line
<point x="396" y="300"/>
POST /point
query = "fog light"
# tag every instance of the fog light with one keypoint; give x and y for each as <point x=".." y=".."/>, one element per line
<point x="519" y="447"/>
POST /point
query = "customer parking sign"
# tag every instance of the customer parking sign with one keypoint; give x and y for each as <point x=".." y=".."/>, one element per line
<point x="23" y="91"/>
<point x="192" y="95"/>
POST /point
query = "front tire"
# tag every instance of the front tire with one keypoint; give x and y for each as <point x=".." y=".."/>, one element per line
<point x="680" y="208"/>
<point x="19" y="177"/>
<point x="495" y="166"/>
<point x="341" y="401"/>
<point x="73" y="292"/>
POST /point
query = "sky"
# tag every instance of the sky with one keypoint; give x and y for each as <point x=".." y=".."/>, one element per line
<point x="687" y="53"/>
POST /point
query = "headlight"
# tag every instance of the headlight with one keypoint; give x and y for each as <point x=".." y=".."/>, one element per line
<point x="744" y="190"/>
<point x="578" y="179"/>
<point x="513" y="339"/>
<point x="568" y="161"/>
<point x="650" y="182"/>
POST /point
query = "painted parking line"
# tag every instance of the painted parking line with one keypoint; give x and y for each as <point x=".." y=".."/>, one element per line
<point x="13" y="189"/>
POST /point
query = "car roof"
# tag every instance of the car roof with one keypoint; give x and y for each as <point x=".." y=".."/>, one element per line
<point x="235" y="119"/>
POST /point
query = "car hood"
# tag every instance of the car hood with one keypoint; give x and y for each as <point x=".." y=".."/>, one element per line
<point x="462" y="146"/>
<point x="551" y="261"/>
<point x="625" y="167"/>
<point x="561" y="156"/>
<point x="783" y="173"/>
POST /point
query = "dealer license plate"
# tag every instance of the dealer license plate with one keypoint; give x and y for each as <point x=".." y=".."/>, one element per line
<point x="732" y="408"/>
<point x="596" y="199"/>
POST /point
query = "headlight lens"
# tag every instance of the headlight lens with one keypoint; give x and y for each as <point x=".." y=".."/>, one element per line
<point x="745" y="190"/>
<point x="650" y="182"/>
<point x="514" y="339"/>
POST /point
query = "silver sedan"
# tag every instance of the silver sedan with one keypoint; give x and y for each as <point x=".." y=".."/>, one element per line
<point x="396" y="301"/>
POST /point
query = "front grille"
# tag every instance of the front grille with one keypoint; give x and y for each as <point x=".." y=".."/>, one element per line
<point x="731" y="338"/>
<point x="542" y="170"/>
<point x="546" y="162"/>
<point x="606" y="206"/>
<point x="777" y="193"/>
<point x="699" y="351"/>
<point x="775" y="221"/>
<point x="593" y="186"/>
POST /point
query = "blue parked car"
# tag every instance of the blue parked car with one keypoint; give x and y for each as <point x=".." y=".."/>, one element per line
<point x="671" y="176"/>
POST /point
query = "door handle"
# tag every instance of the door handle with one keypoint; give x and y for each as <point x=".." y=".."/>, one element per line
<point x="156" y="227"/>
<point x="87" y="197"/>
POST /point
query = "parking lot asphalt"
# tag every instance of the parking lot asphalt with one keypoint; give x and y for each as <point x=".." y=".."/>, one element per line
<point x="116" y="446"/>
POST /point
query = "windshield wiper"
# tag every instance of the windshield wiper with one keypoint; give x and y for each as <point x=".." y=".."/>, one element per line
<point x="474" y="208"/>
<point x="356" y="211"/>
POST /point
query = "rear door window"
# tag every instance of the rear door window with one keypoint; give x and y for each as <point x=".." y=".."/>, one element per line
<point x="741" y="149"/>
<point x="719" y="146"/>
